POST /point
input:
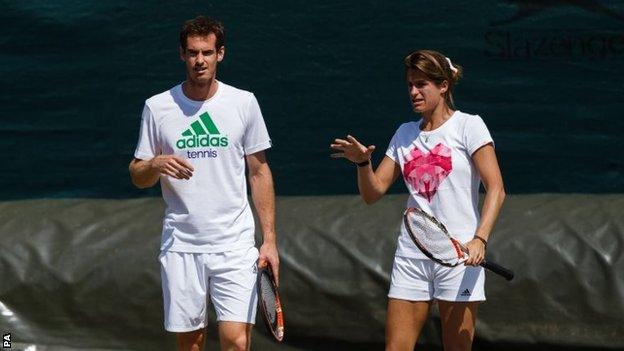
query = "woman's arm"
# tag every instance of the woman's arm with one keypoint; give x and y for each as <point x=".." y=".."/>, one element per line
<point x="372" y="184"/>
<point x="487" y="165"/>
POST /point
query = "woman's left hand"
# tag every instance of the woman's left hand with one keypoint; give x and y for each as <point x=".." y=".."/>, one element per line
<point x="476" y="250"/>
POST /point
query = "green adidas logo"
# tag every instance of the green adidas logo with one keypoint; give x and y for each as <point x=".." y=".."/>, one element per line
<point x="202" y="133"/>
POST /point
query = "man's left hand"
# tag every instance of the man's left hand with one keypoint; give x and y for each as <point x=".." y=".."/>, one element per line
<point x="269" y="254"/>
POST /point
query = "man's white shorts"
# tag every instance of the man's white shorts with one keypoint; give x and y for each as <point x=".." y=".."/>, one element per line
<point x="228" y="278"/>
<point x="425" y="280"/>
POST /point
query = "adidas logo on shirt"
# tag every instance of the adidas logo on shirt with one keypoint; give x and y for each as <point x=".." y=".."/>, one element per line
<point x="202" y="133"/>
<point x="465" y="293"/>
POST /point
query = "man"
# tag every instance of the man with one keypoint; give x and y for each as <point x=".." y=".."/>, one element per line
<point x="196" y="138"/>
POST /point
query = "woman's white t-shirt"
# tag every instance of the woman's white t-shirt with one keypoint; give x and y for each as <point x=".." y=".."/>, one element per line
<point x="440" y="175"/>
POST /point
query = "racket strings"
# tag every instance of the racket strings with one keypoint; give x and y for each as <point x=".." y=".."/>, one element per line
<point x="268" y="298"/>
<point x="432" y="236"/>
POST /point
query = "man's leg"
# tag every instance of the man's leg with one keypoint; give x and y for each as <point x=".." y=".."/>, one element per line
<point x="233" y="294"/>
<point x="235" y="336"/>
<point x="191" y="341"/>
<point x="184" y="285"/>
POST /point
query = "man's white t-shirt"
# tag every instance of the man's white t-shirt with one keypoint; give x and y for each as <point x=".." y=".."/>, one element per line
<point x="209" y="212"/>
<point x="440" y="175"/>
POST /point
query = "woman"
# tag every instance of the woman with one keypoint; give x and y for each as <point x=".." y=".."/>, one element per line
<point x="443" y="158"/>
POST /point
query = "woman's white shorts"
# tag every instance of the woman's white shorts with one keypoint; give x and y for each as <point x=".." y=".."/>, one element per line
<point x="425" y="280"/>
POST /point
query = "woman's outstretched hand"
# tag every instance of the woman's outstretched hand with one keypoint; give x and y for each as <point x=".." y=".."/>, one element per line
<point x="351" y="149"/>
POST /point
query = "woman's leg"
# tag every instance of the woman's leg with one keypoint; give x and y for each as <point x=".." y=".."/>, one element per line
<point x="458" y="324"/>
<point x="404" y="322"/>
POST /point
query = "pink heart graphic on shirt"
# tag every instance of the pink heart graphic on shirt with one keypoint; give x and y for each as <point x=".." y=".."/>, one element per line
<point x="425" y="171"/>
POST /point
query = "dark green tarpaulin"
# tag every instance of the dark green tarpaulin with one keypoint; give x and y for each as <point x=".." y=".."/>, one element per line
<point x="84" y="274"/>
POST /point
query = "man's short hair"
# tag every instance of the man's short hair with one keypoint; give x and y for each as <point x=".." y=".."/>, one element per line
<point x="202" y="26"/>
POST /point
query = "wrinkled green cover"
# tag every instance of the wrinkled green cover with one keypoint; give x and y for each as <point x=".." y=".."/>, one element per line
<point x="83" y="274"/>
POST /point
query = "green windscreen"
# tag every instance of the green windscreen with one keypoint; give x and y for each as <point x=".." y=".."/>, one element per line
<point x="546" y="76"/>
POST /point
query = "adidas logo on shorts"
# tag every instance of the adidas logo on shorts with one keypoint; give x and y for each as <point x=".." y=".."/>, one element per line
<point x="465" y="293"/>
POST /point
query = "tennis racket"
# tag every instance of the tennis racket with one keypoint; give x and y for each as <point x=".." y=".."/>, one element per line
<point x="435" y="242"/>
<point x="270" y="304"/>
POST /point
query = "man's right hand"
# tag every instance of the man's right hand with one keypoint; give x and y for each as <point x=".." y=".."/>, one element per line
<point x="172" y="166"/>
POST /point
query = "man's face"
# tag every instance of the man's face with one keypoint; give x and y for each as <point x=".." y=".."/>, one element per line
<point x="201" y="57"/>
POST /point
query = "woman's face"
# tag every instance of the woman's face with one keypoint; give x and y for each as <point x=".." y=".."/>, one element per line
<point x="424" y="94"/>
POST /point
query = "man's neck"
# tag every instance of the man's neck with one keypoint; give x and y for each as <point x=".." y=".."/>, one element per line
<point x="200" y="92"/>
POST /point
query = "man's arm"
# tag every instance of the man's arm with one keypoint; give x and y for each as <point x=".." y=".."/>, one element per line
<point x="263" y="196"/>
<point x="145" y="173"/>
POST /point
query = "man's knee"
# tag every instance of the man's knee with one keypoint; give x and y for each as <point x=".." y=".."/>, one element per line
<point x="235" y="336"/>
<point x="238" y="342"/>
<point x="191" y="341"/>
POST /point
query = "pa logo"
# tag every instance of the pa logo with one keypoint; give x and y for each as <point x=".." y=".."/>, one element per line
<point x="6" y="341"/>
<point x="528" y="8"/>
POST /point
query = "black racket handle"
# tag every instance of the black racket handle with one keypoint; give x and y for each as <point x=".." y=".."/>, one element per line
<point x="500" y="270"/>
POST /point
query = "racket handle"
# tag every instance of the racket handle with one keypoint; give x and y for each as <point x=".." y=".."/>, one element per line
<point x="500" y="270"/>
